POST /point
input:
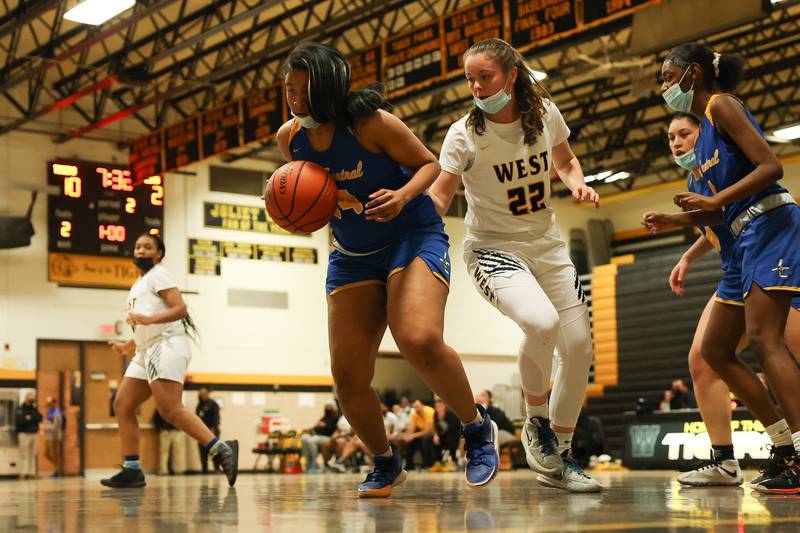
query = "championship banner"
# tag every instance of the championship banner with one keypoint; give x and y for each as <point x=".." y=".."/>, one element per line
<point x="240" y="218"/>
<point x="205" y="256"/>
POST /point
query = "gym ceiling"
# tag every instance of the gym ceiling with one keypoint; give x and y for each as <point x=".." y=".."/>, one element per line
<point x="163" y="61"/>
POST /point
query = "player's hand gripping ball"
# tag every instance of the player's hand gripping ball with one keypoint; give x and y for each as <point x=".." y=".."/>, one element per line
<point x="301" y="197"/>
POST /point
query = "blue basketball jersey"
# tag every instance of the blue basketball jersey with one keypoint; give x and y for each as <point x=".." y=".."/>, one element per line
<point x="723" y="164"/>
<point x="359" y="173"/>
<point x="719" y="236"/>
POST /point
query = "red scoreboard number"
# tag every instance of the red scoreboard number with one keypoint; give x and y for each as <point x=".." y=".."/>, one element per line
<point x="116" y="179"/>
<point x="111" y="233"/>
<point x="100" y="207"/>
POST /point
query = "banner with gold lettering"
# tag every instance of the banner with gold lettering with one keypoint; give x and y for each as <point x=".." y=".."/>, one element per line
<point x="240" y="218"/>
<point x="91" y="270"/>
<point x="205" y="256"/>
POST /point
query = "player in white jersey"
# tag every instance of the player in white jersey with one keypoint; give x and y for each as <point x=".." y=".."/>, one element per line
<point x="504" y="151"/>
<point x="157" y="314"/>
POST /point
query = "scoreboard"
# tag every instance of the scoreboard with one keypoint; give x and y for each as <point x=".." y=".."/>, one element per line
<point x="101" y="209"/>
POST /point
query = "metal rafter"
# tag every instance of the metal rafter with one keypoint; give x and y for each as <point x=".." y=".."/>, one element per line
<point x="166" y="61"/>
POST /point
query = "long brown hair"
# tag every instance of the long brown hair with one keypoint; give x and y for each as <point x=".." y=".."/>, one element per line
<point x="529" y="92"/>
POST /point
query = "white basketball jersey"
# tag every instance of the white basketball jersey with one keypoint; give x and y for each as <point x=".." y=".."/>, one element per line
<point x="506" y="182"/>
<point x="144" y="299"/>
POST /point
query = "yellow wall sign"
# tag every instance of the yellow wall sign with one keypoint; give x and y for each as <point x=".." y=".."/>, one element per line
<point x="91" y="270"/>
<point x="239" y="218"/>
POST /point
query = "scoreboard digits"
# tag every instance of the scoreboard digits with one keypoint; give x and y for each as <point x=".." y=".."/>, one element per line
<point x="101" y="209"/>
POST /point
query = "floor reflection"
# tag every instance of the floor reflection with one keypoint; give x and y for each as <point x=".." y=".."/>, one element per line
<point x="426" y="503"/>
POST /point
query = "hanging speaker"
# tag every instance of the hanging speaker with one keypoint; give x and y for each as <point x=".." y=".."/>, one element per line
<point x="16" y="232"/>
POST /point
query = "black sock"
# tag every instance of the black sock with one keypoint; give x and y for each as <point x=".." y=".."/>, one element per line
<point x="722" y="453"/>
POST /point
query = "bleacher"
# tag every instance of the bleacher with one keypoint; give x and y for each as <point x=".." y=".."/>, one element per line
<point x="654" y="331"/>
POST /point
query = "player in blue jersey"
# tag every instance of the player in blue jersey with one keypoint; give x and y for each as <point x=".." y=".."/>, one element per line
<point x="742" y="171"/>
<point x="713" y="395"/>
<point x="390" y="264"/>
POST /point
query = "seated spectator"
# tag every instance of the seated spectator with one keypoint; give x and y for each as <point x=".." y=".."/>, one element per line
<point x="422" y="422"/>
<point x="666" y="402"/>
<point x="319" y="435"/>
<point x="507" y="431"/>
<point x="682" y="396"/>
<point x="447" y="435"/>
<point x="391" y="423"/>
<point x="333" y="449"/>
<point x="402" y="418"/>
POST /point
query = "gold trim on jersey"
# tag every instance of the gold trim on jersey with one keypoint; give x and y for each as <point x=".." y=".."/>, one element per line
<point x="729" y="302"/>
<point x="712" y="238"/>
<point x="435" y="274"/>
<point x="356" y="284"/>
<point x="293" y="131"/>
<point x="776" y="288"/>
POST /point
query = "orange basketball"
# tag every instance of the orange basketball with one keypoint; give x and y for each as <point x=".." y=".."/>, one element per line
<point x="302" y="197"/>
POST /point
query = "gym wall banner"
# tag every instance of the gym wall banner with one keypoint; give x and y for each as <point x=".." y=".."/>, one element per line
<point x="679" y="438"/>
<point x="241" y="218"/>
<point x="205" y="256"/>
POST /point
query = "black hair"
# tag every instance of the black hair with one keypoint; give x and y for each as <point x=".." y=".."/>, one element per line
<point x="727" y="73"/>
<point x="188" y="324"/>
<point x="691" y="117"/>
<point x="156" y="239"/>
<point x="329" y="96"/>
<point x="529" y="92"/>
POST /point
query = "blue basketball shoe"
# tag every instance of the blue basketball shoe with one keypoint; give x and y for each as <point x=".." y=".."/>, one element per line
<point x="387" y="473"/>
<point x="480" y="443"/>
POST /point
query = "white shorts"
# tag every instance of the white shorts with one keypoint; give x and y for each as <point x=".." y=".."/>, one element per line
<point x="167" y="358"/>
<point x="494" y="259"/>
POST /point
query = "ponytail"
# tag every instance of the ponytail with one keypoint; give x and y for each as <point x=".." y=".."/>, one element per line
<point x="720" y="71"/>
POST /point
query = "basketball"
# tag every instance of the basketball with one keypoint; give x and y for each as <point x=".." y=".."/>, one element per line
<point x="302" y="197"/>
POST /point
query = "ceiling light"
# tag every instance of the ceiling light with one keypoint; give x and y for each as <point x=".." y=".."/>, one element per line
<point x="599" y="176"/>
<point x="791" y="133"/>
<point x="96" y="12"/>
<point x="618" y="176"/>
<point x="538" y="75"/>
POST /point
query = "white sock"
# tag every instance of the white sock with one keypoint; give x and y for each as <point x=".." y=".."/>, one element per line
<point x="387" y="453"/>
<point x="564" y="441"/>
<point x="796" y="441"/>
<point x="780" y="434"/>
<point x="542" y="411"/>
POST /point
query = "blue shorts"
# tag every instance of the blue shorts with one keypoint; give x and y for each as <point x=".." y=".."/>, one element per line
<point x="758" y="252"/>
<point x="770" y="251"/>
<point x="429" y="244"/>
<point x="729" y="290"/>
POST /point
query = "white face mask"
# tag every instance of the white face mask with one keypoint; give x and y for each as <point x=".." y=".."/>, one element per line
<point x="494" y="103"/>
<point x="307" y="121"/>
<point x="676" y="98"/>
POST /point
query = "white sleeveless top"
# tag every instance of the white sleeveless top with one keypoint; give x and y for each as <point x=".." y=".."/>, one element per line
<point x="506" y="182"/>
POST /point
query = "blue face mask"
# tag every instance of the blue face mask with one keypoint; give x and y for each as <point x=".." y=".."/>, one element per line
<point x="687" y="161"/>
<point x="676" y="98"/>
<point x="493" y="104"/>
<point x="307" y="121"/>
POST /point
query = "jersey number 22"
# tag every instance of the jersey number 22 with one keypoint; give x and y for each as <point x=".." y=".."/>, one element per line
<point x="518" y="201"/>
